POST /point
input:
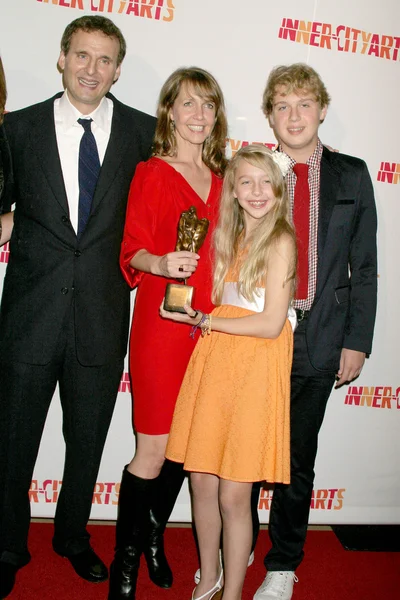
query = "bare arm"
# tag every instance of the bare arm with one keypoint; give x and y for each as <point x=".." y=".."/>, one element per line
<point x="269" y="323"/>
<point x="6" y="227"/>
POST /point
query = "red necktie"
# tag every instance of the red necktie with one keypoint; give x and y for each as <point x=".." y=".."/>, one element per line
<point x="301" y="220"/>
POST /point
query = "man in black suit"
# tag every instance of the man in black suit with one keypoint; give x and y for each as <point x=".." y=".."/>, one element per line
<point x="335" y="219"/>
<point x="65" y="307"/>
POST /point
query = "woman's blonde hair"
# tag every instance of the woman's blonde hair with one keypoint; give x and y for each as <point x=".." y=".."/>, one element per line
<point x="231" y="226"/>
<point x="203" y="84"/>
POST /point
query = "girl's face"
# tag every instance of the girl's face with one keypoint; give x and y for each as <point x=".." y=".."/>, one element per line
<point x="193" y="115"/>
<point x="253" y="190"/>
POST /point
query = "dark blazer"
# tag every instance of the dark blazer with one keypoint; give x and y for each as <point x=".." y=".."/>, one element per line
<point x="343" y="312"/>
<point x="50" y="272"/>
<point x="5" y="166"/>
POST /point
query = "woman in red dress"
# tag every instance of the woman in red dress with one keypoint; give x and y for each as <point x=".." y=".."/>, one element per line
<point x="186" y="170"/>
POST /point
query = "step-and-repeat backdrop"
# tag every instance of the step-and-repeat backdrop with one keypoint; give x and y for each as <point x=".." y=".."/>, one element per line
<point x="355" y="46"/>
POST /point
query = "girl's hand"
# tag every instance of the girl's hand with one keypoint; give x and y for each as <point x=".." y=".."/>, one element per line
<point x="177" y="265"/>
<point x="192" y="317"/>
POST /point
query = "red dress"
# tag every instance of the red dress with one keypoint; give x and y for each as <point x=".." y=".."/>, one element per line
<point x="160" y="349"/>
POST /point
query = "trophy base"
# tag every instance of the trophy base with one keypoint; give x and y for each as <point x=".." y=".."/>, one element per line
<point x="177" y="296"/>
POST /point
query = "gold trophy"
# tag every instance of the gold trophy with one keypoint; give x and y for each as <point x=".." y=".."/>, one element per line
<point x="191" y="235"/>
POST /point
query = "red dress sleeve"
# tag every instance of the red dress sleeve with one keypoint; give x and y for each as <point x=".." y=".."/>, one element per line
<point x="145" y="196"/>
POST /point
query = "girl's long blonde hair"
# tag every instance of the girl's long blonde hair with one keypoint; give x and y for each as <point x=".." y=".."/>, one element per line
<point x="231" y="226"/>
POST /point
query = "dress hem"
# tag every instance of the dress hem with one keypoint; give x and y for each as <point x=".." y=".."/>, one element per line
<point x="226" y="477"/>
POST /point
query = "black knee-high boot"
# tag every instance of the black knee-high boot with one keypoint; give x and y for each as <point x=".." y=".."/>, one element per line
<point x="168" y="486"/>
<point x="135" y="498"/>
<point x="255" y="495"/>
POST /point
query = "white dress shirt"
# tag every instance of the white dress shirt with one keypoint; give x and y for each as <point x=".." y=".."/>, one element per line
<point x="69" y="133"/>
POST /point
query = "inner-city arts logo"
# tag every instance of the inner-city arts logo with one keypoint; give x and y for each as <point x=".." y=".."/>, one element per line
<point x="232" y="145"/>
<point x="48" y="490"/>
<point x="4" y="253"/>
<point x="379" y="396"/>
<point x="322" y="499"/>
<point x="389" y="173"/>
<point x="125" y="383"/>
<point x="159" y="10"/>
<point x="340" y="37"/>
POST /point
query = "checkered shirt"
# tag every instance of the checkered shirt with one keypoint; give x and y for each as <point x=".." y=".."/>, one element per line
<point x="314" y="176"/>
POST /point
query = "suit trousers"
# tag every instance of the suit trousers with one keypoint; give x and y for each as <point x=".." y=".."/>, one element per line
<point x="290" y="508"/>
<point x="87" y="397"/>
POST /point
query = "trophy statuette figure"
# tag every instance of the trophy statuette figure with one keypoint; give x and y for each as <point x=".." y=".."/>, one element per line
<point x="191" y="235"/>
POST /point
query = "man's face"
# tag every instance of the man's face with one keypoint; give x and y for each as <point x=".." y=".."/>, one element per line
<point x="295" y="120"/>
<point x="90" y="68"/>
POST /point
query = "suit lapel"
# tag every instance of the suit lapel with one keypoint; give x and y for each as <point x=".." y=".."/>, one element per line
<point x="114" y="154"/>
<point x="329" y="187"/>
<point x="44" y="144"/>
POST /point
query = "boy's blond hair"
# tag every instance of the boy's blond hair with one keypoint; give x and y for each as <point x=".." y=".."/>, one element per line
<point x="298" y="78"/>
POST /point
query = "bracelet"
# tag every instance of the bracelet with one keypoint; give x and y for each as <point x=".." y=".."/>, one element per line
<point x="196" y="327"/>
<point x="205" y="326"/>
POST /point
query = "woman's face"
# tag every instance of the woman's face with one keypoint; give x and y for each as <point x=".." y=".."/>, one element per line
<point x="193" y="115"/>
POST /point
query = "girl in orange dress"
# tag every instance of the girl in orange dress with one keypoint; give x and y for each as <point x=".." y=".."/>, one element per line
<point x="231" y="421"/>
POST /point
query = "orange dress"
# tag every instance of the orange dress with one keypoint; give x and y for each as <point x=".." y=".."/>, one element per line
<point x="231" y="418"/>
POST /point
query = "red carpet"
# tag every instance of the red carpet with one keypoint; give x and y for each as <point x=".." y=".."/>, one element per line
<point x="328" y="572"/>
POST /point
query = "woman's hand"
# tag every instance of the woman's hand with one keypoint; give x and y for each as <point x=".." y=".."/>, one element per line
<point x="177" y="265"/>
<point x="192" y="317"/>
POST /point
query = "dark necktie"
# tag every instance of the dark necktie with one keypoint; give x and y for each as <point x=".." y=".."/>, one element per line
<point x="88" y="173"/>
<point x="301" y="220"/>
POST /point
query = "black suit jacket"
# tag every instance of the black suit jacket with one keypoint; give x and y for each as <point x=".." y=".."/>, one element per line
<point x="50" y="272"/>
<point x="5" y="165"/>
<point x="344" y="308"/>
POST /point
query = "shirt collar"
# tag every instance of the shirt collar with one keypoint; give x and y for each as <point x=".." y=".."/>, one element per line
<point x="70" y="114"/>
<point x="314" y="160"/>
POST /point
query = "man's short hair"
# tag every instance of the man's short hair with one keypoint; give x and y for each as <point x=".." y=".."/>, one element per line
<point x="298" y="78"/>
<point x="90" y="24"/>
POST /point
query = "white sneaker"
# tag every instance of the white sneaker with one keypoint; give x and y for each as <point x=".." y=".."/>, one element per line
<point x="276" y="585"/>
<point x="197" y="574"/>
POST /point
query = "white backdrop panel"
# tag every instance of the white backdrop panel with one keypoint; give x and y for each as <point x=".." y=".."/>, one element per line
<point x="357" y="475"/>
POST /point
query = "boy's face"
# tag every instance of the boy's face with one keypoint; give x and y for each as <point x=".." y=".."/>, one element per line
<point x="295" y="120"/>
